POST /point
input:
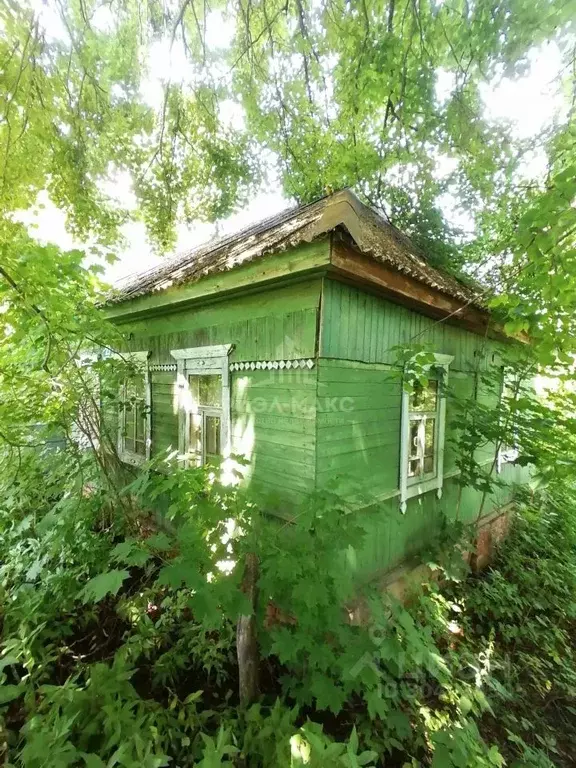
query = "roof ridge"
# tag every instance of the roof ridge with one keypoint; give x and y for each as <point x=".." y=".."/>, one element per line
<point x="373" y="234"/>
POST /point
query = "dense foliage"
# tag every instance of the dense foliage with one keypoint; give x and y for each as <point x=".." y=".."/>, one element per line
<point x="118" y="634"/>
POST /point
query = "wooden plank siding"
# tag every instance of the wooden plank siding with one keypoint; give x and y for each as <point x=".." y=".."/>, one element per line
<point x="273" y="412"/>
<point x="274" y="427"/>
<point x="358" y="432"/>
<point x="361" y="326"/>
<point x="278" y="324"/>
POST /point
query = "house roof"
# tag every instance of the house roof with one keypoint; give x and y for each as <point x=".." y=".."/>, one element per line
<point x="371" y="233"/>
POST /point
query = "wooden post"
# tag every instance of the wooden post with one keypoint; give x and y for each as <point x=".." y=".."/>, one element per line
<point x="246" y="636"/>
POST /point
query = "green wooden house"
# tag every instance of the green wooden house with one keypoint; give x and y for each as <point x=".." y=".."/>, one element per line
<point x="279" y="344"/>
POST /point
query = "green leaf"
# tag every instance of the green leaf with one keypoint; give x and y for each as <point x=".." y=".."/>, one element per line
<point x="104" y="584"/>
<point x="130" y="552"/>
<point x="92" y="760"/>
<point x="465" y="705"/>
<point x="180" y="573"/>
<point x="9" y="693"/>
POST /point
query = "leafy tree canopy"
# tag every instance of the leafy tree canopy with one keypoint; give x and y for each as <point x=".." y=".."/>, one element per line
<point x="335" y="93"/>
<point x="325" y="93"/>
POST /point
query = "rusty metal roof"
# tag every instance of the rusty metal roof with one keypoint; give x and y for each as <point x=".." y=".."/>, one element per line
<point x="372" y="234"/>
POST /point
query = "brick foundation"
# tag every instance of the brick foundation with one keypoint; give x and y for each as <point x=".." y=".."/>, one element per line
<point x="492" y="529"/>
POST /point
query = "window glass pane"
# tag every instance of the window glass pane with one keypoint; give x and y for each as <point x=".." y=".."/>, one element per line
<point x="429" y="436"/>
<point x="139" y="416"/>
<point x="206" y="389"/>
<point x="129" y="421"/>
<point x="212" y="436"/>
<point x="210" y="390"/>
<point x="429" y="444"/>
<point x="415" y="449"/>
<point x="140" y="419"/>
<point x="195" y="435"/>
<point x="135" y="389"/>
<point x="424" y="398"/>
<point x="428" y="464"/>
<point x="193" y="382"/>
<point x="414" y="443"/>
<point x="134" y="415"/>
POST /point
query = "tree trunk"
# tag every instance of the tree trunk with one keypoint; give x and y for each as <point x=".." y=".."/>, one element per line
<point x="246" y="636"/>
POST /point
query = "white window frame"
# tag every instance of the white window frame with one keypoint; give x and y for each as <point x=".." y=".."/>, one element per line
<point x="409" y="489"/>
<point x="201" y="360"/>
<point x="507" y="453"/>
<point x="140" y="360"/>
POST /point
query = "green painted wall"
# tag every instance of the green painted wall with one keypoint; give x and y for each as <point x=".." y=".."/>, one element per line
<point x="272" y="412"/>
<point x="360" y="326"/>
<point x="358" y="436"/>
<point x="279" y="323"/>
<point x="274" y="426"/>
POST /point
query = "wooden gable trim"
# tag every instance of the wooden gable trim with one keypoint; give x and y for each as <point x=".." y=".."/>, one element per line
<point x="350" y="266"/>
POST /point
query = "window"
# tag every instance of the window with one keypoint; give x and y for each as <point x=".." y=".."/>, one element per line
<point x="422" y="444"/>
<point x="509" y="394"/>
<point x="204" y="418"/>
<point x="423" y="416"/>
<point x="203" y="403"/>
<point x="134" y="418"/>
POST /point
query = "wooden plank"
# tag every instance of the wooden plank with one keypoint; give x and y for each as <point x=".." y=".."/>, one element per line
<point x="326" y="322"/>
<point x="339" y="418"/>
<point x="303" y="454"/>
<point x="264" y="410"/>
<point x="272" y="393"/>
<point x="162" y="378"/>
<point x="166" y="388"/>
<point x="368" y="331"/>
<point x="384" y="423"/>
<point x="274" y="421"/>
<point x="387" y="387"/>
<point x="325" y="363"/>
<point x="271" y="495"/>
<point x="353" y="404"/>
<point x="372" y="479"/>
<point x="164" y="411"/>
<point x="284" y="466"/>
<point x="358" y="444"/>
<point x="249" y="337"/>
<point x="281" y="480"/>
<point x="165" y="396"/>
<point x="265" y="435"/>
<point x="248" y="381"/>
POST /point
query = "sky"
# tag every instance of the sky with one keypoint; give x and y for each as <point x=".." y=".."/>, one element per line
<point x="529" y="103"/>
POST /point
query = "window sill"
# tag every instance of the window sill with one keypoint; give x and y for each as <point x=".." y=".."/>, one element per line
<point x="134" y="459"/>
<point x="418" y="489"/>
